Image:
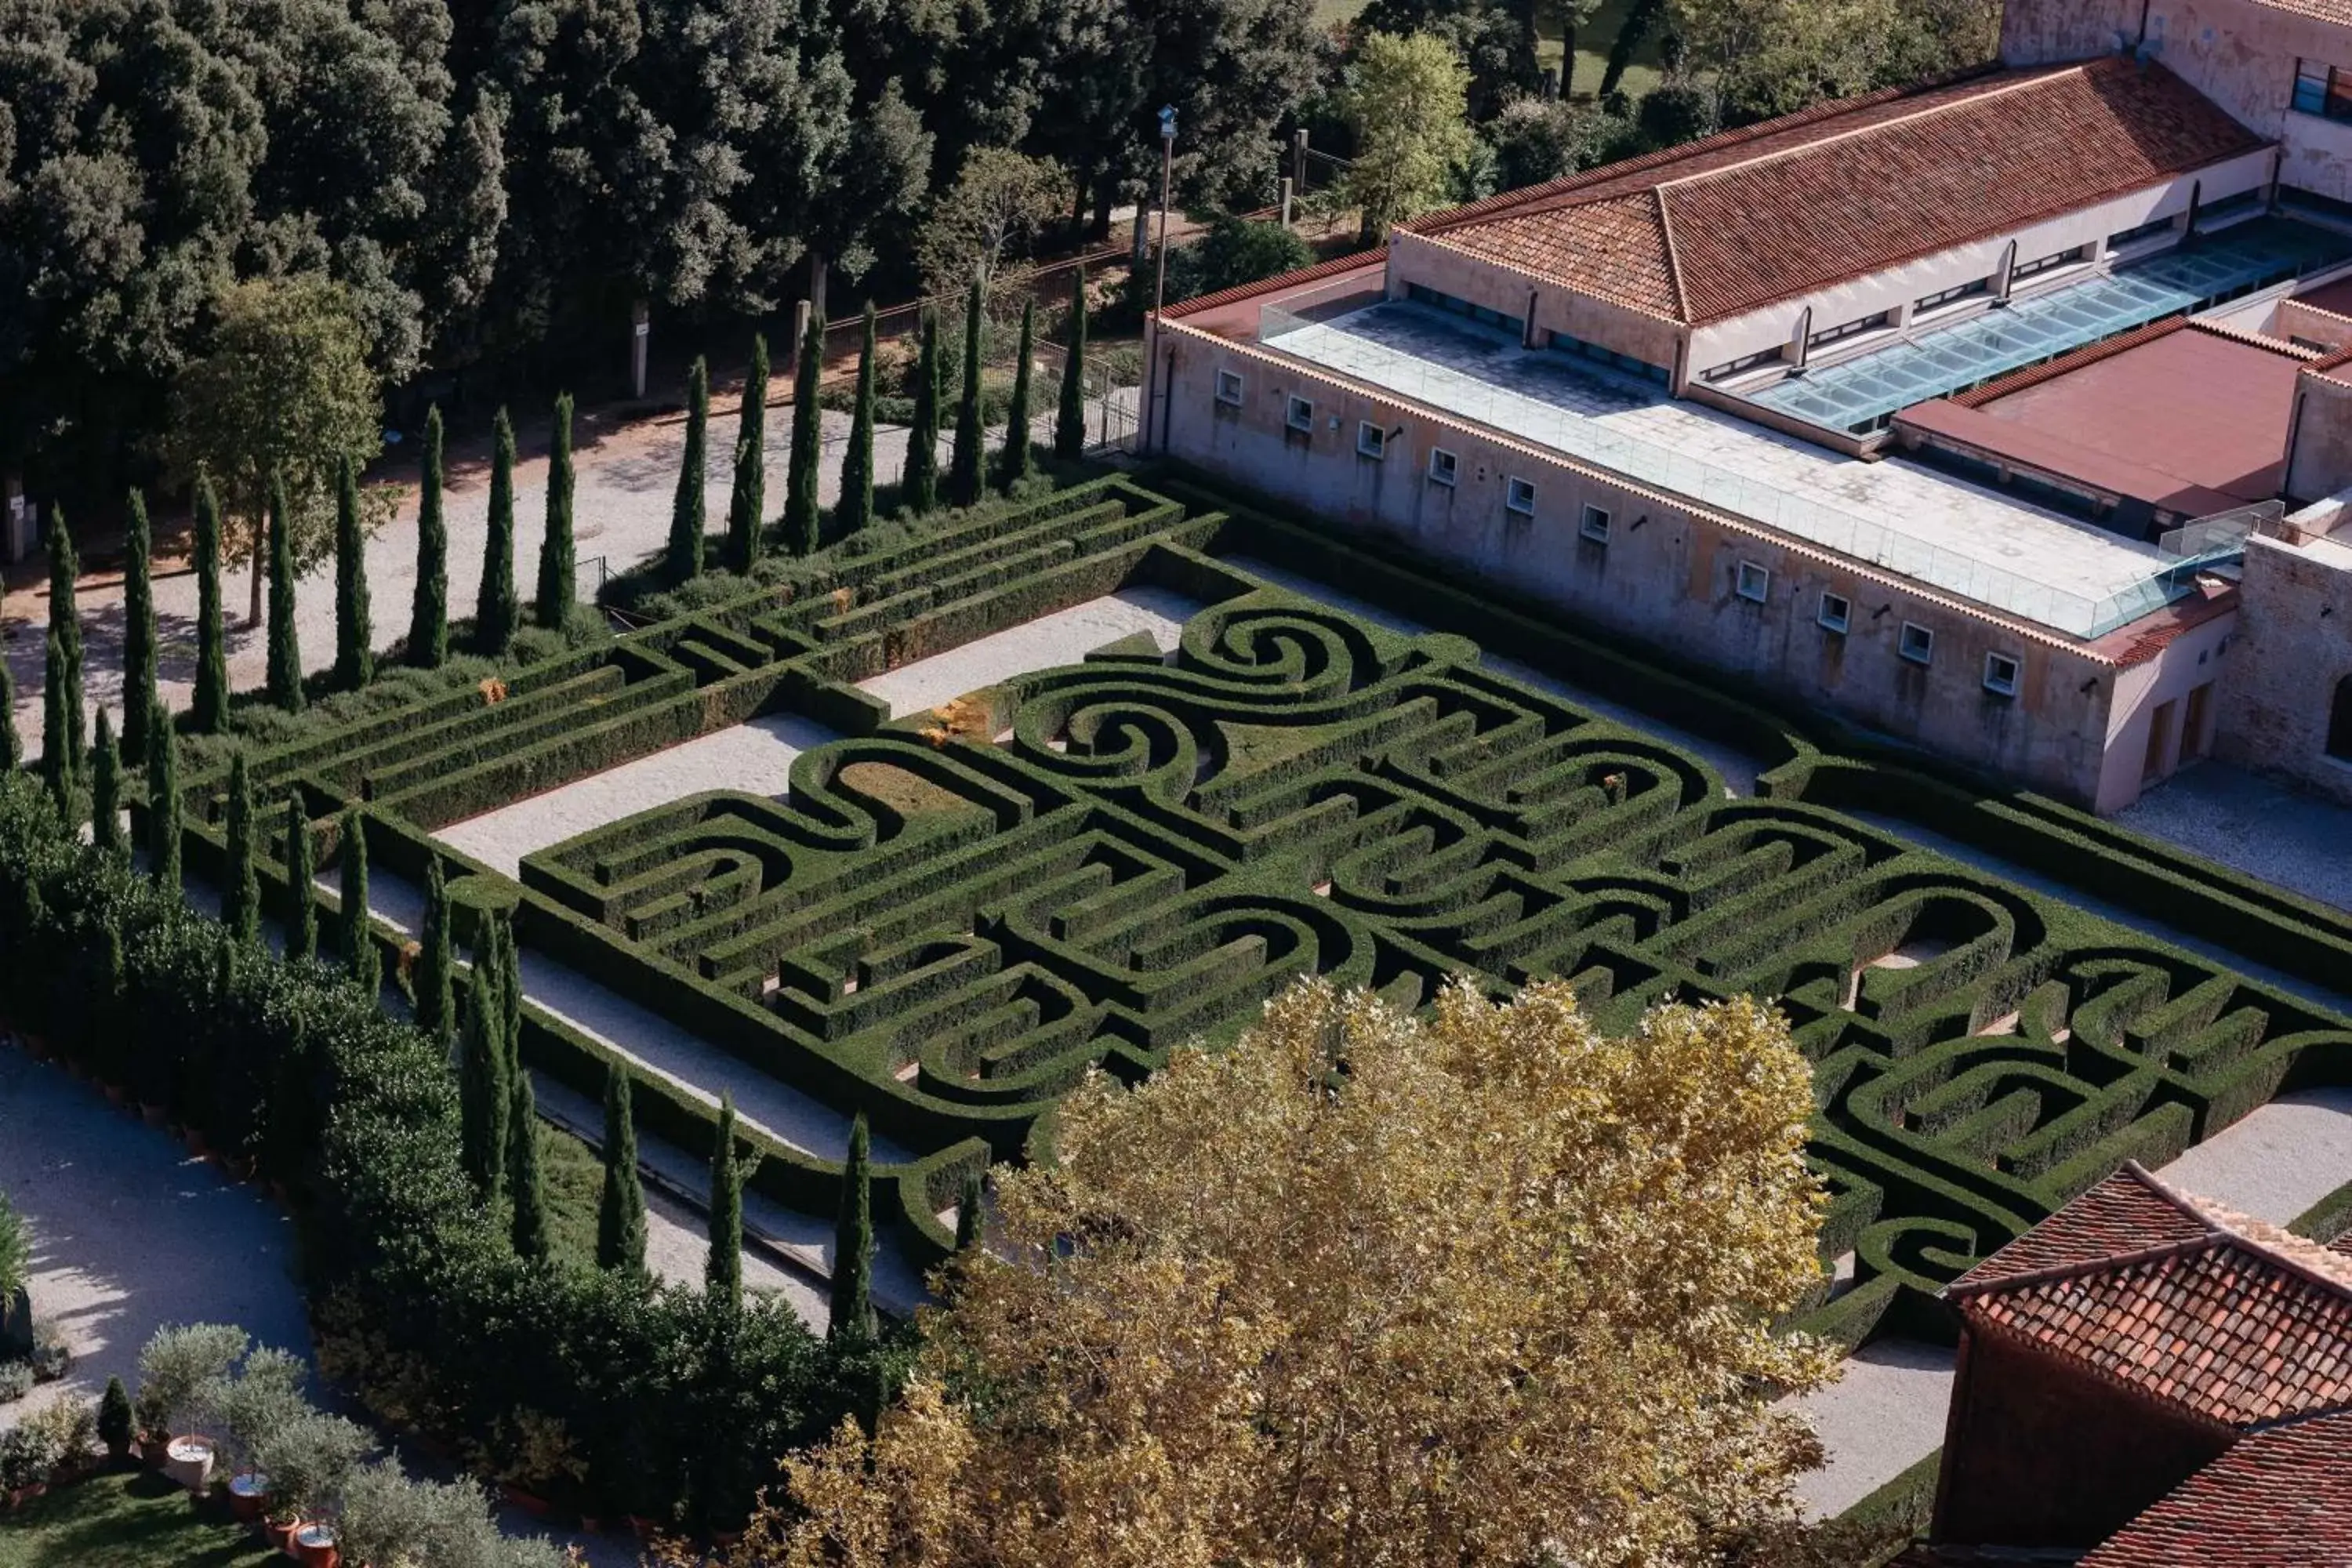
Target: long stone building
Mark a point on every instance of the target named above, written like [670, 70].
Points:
[1983, 412]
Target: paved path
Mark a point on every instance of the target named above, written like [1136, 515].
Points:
[1065, 637]
[2252, 825]
[131, 1233]
[1887, 1412]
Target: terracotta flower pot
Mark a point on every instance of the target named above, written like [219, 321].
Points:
[249, 1492]
[314, 1546]
[152, 1451]
[189, 1461]
[115, 1095]
[529, 1502]
[590, 1524]
[153, 1115]
[196, 1145]
[642, 1527]
[279, 1534]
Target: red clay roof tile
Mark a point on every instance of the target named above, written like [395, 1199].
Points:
[2277, 1497]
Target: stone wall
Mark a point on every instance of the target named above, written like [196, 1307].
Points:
[2292, 653]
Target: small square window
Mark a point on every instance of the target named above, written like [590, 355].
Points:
[1755, 583]
[1300, 415]
[1919, 644]
[1371, 441]
[1837, 613]
[1594, 525]
[1229, 387]
[1520, 496]
[2001, 674]
[1442, 466]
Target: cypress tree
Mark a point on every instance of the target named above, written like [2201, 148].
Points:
[302, 871]
[138, 697]
[164, 803]
[855, 508]
[354, 636]
[508, 979]
[436, 1010]
[241, 895]
[57, 748]
[361, 964]
[685, 521]
[1012, 465]
[1070, 414]
[483, 1093]
[749, 499]
[523, 1175]
[853, 1244]
[918, 482]
[963, 463]
[801, 525]
[621, 1212]
[11, 745]
[494, 606]
[208, 712]
[722, 1276]
[972, 1218]
[105, 788]
[63, 738]
[428, 613]
[558, 560]
[285, 648]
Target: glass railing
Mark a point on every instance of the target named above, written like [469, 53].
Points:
[1524, 417]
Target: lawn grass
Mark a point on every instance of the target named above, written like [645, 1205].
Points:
[1592, 42]
[137, 1520]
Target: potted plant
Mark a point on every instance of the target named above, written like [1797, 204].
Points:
[250, 1409]
[310, 1459]
[539, 1458]
[116, 1424]
[16, 1339]
[70, 1428]
[178, 1368]
[27, 1458]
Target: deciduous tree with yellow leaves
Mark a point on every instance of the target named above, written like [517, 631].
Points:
[1488, 1289]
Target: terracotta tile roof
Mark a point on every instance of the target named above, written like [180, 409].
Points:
[1735, 222]
[2220, 1314]
[2277, 1497]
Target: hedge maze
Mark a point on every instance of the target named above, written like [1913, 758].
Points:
[952, 917]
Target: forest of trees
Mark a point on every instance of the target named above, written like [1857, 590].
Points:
[493, 186]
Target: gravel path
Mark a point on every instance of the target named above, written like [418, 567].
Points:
[2252, 825]
[1738, 768]
[130, 1233]
[1065, 637]
[2277, 1160]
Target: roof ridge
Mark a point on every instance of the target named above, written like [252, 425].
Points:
[1674, 259]
[2112, 1263]
[2036, 78]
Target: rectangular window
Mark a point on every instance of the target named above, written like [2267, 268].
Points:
[1564, 343]
[2001, 674]
[1952, 296]
[1371, 441]
[1442, 466]
[1762, 357]
[1520, 496]
[2024, 270]
[2147, 230]
[2323, 89]
[1229, 387]
[1837, 613]
[1300, 415]
[1594, 525]
[1851, 330]
[1753, 583]
[1454, 305]
[1919, 644]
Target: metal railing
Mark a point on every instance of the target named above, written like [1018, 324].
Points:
[1933, 561]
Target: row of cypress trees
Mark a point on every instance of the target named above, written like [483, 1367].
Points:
[801, 526]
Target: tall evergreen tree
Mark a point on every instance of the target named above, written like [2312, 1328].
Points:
[686, 519]
[853, 1244]
[208, 711]
[965, 461]
[139, 696]
[65, 737]
[354, 634]
[285, 646]
[484, 1095]
[105, 788]
[494, 606]
[722, 1275]
[621, 1212]
[524, 1178]
[361, 964]
[1012, 465]
[57, 748]
[855, 510]
[971, 1213]
[302, 873]
[749, 500]
[918, 482]
[11, 745]
[509, 985]
[164, 802]
[558, 558]
[241, 894]
[1070, 413]
[436, 1010]
[428, 613]
[802, 534]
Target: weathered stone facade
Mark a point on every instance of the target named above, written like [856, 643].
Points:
[2291, 660]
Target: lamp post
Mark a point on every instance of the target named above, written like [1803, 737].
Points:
[1160, 284]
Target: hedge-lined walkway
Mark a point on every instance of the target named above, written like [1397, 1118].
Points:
[2252, 825]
